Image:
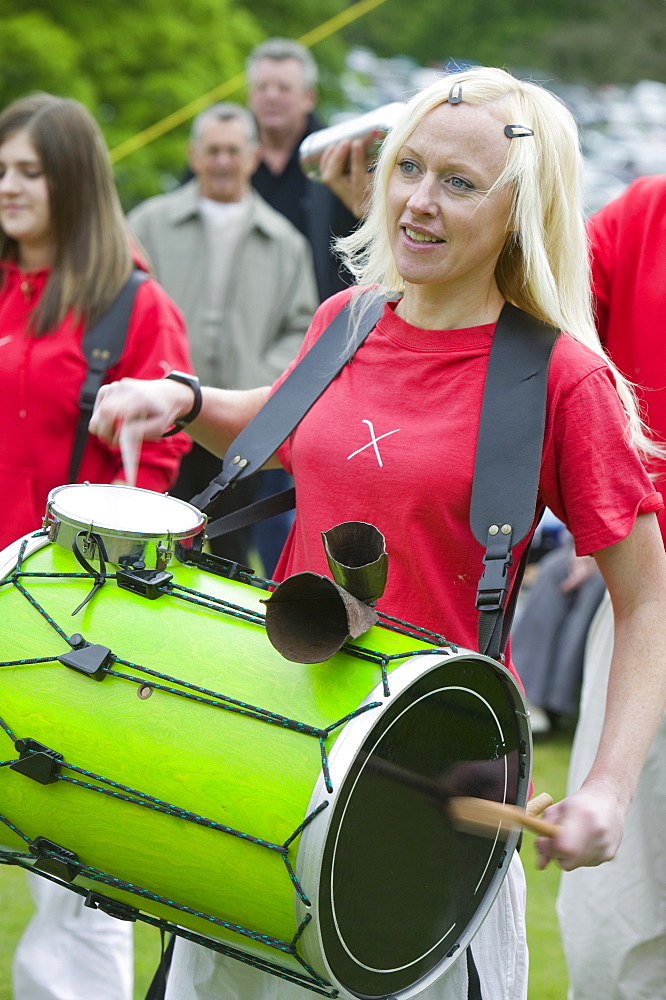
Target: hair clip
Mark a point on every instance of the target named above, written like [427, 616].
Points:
[455, 94]
[517, 131]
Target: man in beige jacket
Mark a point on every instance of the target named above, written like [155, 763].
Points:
[241, 273]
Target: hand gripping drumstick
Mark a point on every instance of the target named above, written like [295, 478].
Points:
[485, 816]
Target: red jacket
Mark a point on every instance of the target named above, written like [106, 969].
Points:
[40, 378]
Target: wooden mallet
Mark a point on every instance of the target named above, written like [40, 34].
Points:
[485, 817]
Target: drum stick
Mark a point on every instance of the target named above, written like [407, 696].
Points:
[475, 815]
[129, 442]
[537, 805]
[485, 817]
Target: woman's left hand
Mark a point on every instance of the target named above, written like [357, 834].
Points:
[590, 824]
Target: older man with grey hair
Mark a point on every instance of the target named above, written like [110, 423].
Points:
[241, 273]
[282, 80]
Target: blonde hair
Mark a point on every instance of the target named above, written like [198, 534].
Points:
[543, 267]
[92, 259]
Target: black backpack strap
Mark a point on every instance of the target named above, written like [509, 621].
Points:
[102, 347]
[291, 401]
[508, 459]
[277, 503]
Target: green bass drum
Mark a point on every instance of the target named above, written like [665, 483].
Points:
[159, 757]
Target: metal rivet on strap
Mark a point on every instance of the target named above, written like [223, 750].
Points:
[235, 460]
[242, 463]
[493, 529]
[506, 529]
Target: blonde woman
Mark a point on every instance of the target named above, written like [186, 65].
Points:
[475, 203]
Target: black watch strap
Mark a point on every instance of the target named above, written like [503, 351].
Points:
[193, 383]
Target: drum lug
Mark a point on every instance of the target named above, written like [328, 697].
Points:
[87, 658]
[47, 520]
[89, 543]
[164, 554]
[112, 907]
[150, 583]
[37, 761]
[54, 859]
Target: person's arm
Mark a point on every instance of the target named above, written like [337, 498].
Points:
[592, 819]
[155, 405]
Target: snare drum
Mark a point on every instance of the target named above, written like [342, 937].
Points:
[158, 754]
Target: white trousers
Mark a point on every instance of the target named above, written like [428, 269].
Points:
[70, 952]
[499, 949]
[613, 918]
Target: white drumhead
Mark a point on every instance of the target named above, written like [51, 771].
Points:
[126, 510]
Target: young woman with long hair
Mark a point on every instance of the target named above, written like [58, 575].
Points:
[65, 254]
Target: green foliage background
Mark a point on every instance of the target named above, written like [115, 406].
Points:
[133, 62]
[587, 41]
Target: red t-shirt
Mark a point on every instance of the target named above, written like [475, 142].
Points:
[392, 442]
[628, 246]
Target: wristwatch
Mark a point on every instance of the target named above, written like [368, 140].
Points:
[193, 383]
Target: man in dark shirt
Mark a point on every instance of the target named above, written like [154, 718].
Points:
[282, 77]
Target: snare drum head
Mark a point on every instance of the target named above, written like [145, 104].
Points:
[126, 510]
[401, 892]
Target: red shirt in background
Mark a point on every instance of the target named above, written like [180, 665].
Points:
[628, 247]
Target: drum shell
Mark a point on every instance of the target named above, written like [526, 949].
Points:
[257, 778]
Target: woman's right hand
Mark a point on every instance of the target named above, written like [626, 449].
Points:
[153, 406]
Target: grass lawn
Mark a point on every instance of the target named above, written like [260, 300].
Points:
[548, 976]
[548, 979]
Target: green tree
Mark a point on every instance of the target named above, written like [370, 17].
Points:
[134, 62]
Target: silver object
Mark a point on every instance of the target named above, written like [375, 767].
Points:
[136, 526]
[373, 126]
